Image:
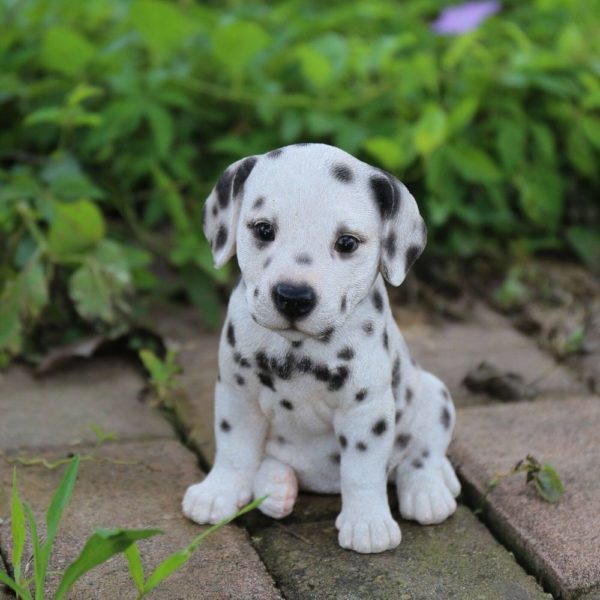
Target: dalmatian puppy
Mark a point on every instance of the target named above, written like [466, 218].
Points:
[316, 388]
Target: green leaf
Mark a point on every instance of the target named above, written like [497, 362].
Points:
[17, 529]
[431, 129]
[102, 545]
[548, 484]
[76, 227]
[65, 50]
[386, 151]
[46, 114]
[591, 128]
[13, 585]
[463, 113]
[168, 566]
[585, 241]
[315, 66]
[510, 143]
[237, 44]
[38, 571]
[135, 566]
[473, 164]
[161, 125]
[541, 197]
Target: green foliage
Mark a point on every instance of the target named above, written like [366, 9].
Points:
[118, 117]
[163, 373]
[545, 478]
[99, 547]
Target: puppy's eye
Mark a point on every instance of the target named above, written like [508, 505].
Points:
[264, 231]
[346, 244]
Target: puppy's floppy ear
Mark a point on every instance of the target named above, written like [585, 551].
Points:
[222, 209]
[403, 233]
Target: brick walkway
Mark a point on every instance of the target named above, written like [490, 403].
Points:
[148, 469]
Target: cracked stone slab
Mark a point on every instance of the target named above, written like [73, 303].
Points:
[138, 485]
[58, 409]
[458, 559]
[560, 542]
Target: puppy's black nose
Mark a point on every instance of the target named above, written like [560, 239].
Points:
[293, 301]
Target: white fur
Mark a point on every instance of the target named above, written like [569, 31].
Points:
[264, 447]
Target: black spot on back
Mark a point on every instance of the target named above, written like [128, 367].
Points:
[230, 334]
[343, 441]
[297, 343]
[346, 353]
[361, 394]
[266, 380]
[221, 237]
[286, 404]
[361, 446]
[337, 379]
[256, 292]
[342, 173]
[336, 458]
[225, 426]
[402, 440]
[377, 300]
[239, 379]
[242, 173]
[380, 427]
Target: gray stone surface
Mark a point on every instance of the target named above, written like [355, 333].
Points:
[559, 542]
[58, 409]
[140, 484]
[458, 559]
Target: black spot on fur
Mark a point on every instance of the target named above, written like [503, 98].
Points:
[417, 463]
[321, 372]
[286, 404]
[256, 292]
[338, 379]
[244, 362]
[242, 173]
[266, 380]
[240, 380]
[377, 301]
[237, 357]
[343, 305]
[303, 259]
[385, 194]
[267, 262]
[396, 373]
[408, 395]
[221, 237]
[230, 334]
[297, 344]
[275, 153]
[215, 210]
[425, 453]
[368, 327]
[361, 394]
[223, 188]
[336, 458]
[342, 173]
[445, 394]
[343, 441]
[280, 439]
[412, 254]
[262, 361]
[413, 362]
[380, 427]
[325, 337]
[403, 439]
[361, 446]
[225, 426]
[389, 245]
[304, 365]
[258, 203]
[445, 417]
[346, 353]
[385, 339]
[398, 416]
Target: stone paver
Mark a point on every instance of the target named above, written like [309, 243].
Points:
[559, 542]
[50, 418]
[58, 409]
[458, 559]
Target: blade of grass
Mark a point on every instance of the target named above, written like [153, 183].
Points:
[100, 546]
[37, 560]
[176, 560]
[17, 529]
[13, 585]
[136, 568]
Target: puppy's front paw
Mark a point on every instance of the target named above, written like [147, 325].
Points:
[217, 497]
[367, 533]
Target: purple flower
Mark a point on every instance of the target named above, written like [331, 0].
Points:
[464, 17]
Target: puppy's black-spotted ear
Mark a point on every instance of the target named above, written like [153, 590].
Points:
[403, 232]
[222, 209]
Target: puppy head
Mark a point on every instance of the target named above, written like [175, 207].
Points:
[312, 226]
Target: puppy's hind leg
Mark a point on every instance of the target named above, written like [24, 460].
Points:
[278, 482]
[425, 480]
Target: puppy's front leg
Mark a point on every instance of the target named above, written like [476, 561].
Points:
[365, 433]
[240, 430]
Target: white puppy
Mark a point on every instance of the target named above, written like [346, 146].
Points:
[317, 389]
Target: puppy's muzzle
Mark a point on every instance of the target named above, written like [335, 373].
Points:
[293, 301]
